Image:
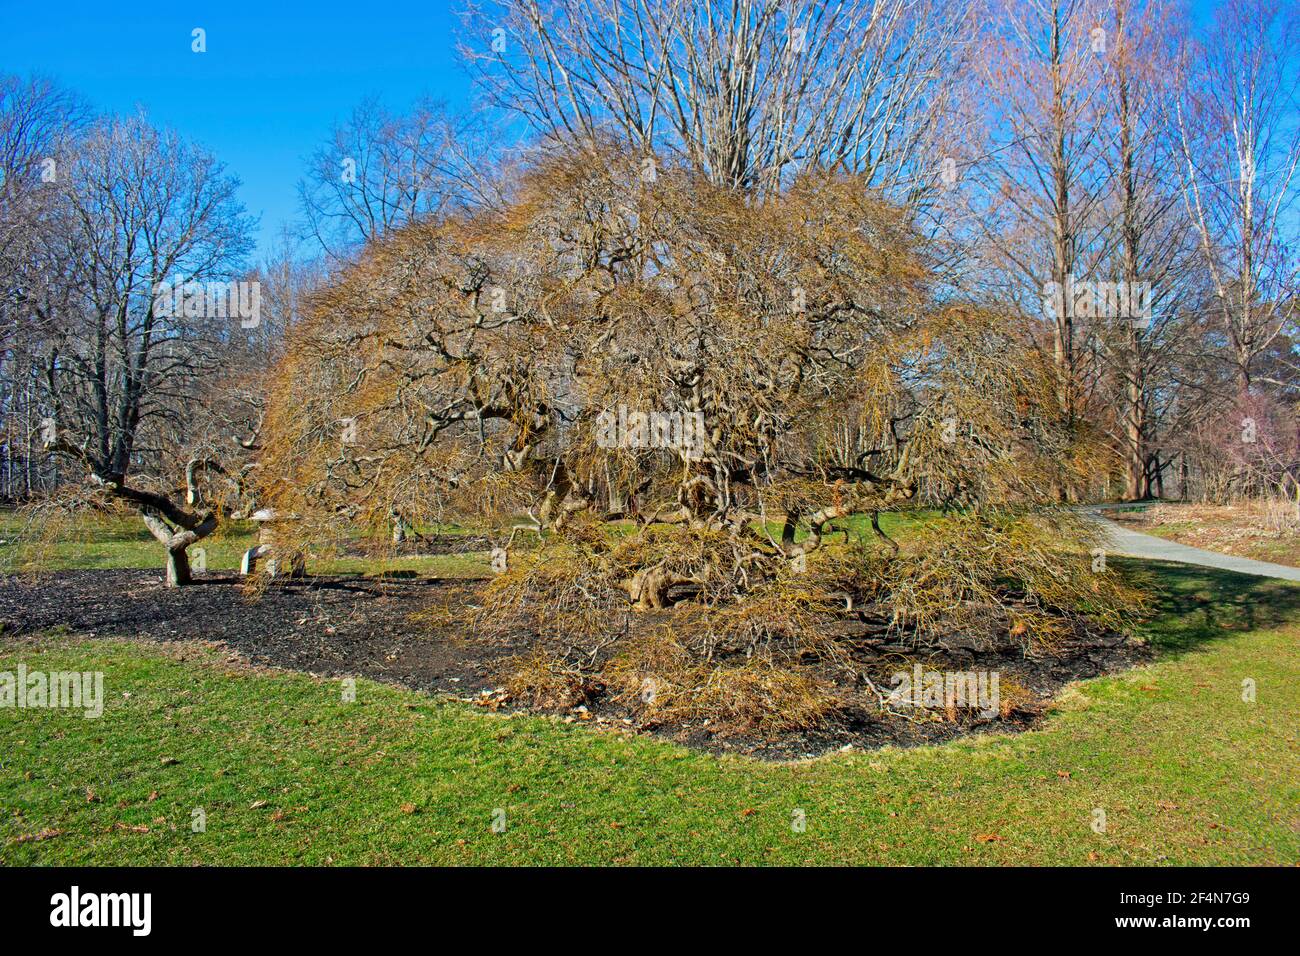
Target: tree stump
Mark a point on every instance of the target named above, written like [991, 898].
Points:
[265, 548]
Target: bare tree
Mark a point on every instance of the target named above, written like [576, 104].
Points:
[749, 92]
[381, 170]
[287, 275]
[1240, 136]
[1035, 182]
[144, 210]
[1149, 243]
[38, 122]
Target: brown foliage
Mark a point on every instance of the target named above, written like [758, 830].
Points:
[484, 369]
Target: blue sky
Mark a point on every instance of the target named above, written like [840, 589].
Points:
[274, 79]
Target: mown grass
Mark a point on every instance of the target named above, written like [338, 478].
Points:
[111, 542]
[286, 771]
[123, 542]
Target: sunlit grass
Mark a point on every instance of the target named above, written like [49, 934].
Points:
[98, 543]
[1185, 770]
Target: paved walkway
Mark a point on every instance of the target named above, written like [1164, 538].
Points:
[1135, 544]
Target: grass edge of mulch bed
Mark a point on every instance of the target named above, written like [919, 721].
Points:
[1183, 769]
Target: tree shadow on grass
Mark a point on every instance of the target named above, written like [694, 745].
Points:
[1193, 605]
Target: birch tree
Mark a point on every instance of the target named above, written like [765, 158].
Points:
[1240, 134]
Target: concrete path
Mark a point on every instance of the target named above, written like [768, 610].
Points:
[1135, 544]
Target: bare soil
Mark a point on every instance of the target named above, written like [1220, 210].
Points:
[350, 626]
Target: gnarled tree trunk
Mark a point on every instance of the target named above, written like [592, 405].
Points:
[177, 541]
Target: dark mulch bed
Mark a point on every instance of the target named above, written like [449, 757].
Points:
[335, 626]
[323, 624]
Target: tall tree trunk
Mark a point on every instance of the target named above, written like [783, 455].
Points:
[1137, 483]
[1062, 228]
[1136, 486]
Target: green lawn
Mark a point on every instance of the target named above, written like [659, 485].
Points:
[287, 772]
[124, 542]
[112, 542]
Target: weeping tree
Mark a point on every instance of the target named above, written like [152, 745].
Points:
[646, 377]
